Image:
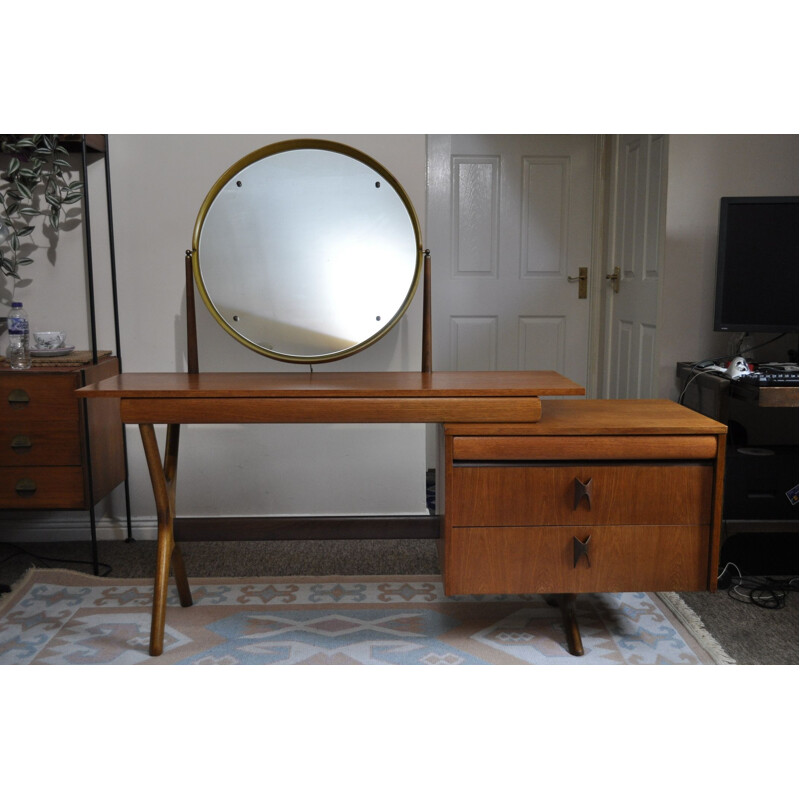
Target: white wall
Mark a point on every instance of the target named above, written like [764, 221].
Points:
[702, 169]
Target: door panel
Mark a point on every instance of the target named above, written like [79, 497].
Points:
[636, 233]
[510, 219]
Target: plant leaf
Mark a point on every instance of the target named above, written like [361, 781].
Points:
[23, 190]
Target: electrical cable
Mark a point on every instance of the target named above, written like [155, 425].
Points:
[48, 561]
[768, 593]
[709, 361]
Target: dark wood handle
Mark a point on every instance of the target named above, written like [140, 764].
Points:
[26, 487]
[21, 444]
[580, 550]
[18, 397]
[583, 490]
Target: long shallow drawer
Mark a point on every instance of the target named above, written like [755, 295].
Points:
[596, 448]
[41, 487]
[548, 560]
[46, 444]
[43, 398]
[581, 494]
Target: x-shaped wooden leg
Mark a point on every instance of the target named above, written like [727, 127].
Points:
[163, 479]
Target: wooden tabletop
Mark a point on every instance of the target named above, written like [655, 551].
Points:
[602, 417]
[333, 384]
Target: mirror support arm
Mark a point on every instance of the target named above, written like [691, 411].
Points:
[427, 365]
[191, 321]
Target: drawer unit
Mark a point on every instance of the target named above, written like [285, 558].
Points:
[582, 494]
[599, 496]
[44, 454]
[551, 560]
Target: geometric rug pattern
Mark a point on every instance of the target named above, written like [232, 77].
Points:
[65, 617]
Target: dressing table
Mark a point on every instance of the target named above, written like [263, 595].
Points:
[296, 232]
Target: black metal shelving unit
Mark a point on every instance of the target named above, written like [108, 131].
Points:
[87, 145]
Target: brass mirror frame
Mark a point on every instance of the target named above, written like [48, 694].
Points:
[266, 152]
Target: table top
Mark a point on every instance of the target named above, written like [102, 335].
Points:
[136, 385]
[601, 417]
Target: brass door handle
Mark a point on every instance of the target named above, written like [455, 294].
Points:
[21, 444]
[18, 397]
[614, 277]
[583, 490]
[26, 487]
[582, 280]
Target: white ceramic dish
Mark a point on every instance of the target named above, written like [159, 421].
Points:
[61, 351]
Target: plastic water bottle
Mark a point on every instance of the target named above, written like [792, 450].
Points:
[18, 352]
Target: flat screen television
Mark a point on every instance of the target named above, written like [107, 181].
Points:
[757, 265]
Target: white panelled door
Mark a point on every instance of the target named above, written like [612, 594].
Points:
[510, 219]
[636, 231]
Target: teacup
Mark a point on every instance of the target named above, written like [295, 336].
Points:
[49, 340]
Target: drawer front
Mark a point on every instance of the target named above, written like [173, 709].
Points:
[38, 398]
[541, 560]
[578, 448]
[41, 487]
[581, 494]
[45, 444]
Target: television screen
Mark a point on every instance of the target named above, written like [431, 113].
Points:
[757, 265]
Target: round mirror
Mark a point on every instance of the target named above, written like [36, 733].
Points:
[307, 251]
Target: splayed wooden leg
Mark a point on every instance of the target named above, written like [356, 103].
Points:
[570, 620]
[163, 480]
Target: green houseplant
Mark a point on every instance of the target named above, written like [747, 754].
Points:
[33, 183]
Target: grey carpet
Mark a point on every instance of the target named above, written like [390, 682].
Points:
[749, 634]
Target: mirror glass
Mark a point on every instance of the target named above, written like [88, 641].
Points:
[307, 251]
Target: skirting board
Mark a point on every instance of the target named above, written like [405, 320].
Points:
[198, 529]
[75, 526]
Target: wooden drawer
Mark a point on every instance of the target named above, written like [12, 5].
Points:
[38, 398]
[41, 487]
[582, 448]
[541, 560]
[45, 444]
[616, 494]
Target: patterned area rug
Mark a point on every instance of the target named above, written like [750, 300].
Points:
[65, 617]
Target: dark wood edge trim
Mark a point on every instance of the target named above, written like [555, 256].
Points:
[210, 529]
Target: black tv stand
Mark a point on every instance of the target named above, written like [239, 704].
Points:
[760, 523]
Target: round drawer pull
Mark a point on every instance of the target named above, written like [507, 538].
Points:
[26, 487]
[18, 398]
[21, 444]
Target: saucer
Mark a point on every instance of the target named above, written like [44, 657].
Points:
[58, 351]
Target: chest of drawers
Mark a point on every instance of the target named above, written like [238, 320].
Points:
[599, 496]
[55, 451]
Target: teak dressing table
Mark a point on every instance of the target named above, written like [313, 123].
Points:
[555, 496]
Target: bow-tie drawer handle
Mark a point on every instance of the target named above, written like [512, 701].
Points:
[580, 550]
[583, 490]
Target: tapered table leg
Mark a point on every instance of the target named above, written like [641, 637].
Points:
[163, 479]
[566, 602]
[570, 620]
